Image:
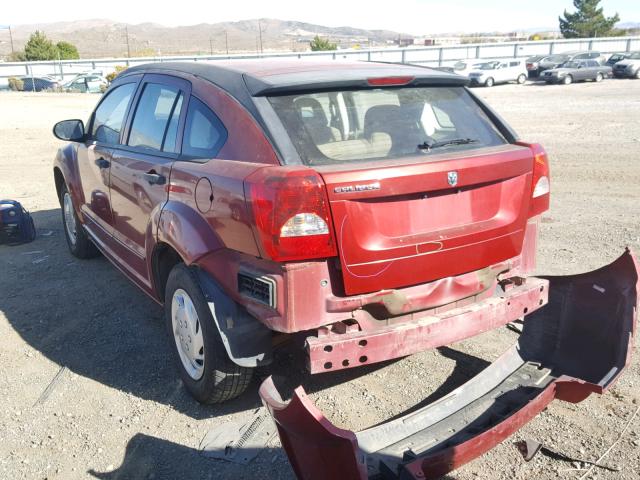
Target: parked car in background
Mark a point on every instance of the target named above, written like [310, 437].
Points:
[577, 71]
[39, 83]
[87, 83]
[465, 67]
[497, 71]
[616, 57]
[554, 61]
[533, 65]
[629, 67]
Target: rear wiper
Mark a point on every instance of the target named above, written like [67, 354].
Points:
[430, 145]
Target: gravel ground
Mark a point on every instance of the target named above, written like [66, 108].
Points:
[88, 389]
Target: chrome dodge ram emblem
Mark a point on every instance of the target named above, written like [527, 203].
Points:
[452, 177]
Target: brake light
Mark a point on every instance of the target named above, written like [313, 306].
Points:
[389, 81]
[291, 213]
[540, 186]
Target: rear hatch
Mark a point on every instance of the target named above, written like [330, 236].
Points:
[423, 181]
[403, 225]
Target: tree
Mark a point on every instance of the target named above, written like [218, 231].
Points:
[67, 51]
[587, 21]
[39, 47]
[320, 44]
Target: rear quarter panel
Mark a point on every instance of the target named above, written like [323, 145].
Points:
[206, 210]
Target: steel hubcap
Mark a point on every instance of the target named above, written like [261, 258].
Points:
[187, 333]
[69, 218]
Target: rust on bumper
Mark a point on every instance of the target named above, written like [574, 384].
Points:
[594, 312]
[351, 347]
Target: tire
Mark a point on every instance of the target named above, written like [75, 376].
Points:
[208, 373]
[568, 80]
[78, 241]
[489, 82]
[599, 77]
[637, 75]
[521, 79]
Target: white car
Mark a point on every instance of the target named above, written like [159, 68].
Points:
[499, 71]
[465, 67]
[87, 83]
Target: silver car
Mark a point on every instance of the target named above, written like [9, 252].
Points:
[577, 71]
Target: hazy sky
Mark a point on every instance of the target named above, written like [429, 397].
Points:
[411, 16]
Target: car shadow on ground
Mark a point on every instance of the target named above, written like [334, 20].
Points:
[149, 457]
[85, 315]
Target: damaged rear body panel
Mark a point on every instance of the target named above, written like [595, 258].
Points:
[595, 312]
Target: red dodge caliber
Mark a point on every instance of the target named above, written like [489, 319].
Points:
[381, 209]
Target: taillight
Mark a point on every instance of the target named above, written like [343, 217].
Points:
[291, 213]
[389, 81]
[540, 187]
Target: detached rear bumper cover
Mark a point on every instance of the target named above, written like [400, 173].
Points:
[578, 344]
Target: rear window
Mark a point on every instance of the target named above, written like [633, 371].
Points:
[379, 124]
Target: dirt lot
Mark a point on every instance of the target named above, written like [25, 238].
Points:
[87, 387]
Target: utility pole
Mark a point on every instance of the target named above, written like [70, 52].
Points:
[11, 38]
[126, 31]
[226, 41]
[211, 45]
[260, 34]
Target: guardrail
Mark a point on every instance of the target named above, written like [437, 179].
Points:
[430, 56]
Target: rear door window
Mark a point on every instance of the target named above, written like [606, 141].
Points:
[204, 133]
[153, 116]
[109, 116]
[369, 124]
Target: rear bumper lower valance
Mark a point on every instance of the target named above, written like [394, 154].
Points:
[595, 312]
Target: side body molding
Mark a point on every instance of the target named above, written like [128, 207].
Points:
[594, 312]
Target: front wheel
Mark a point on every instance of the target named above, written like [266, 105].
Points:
[568, 80]
[522, 78]
[638, 74]
[80, 245]
[206, 370]
[489, 82]
[599, 77]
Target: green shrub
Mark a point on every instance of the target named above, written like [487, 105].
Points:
[16, 84]
[112, 76]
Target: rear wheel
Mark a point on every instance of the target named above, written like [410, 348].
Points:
[80, 245]
[568, 80]
[522, 78]
[599, 77]
[638, 74]
[489, 82]
[206, 370]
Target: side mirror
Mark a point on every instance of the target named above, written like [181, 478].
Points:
[71, 130]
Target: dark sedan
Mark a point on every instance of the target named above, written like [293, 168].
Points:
[37, 84]
[577, 71]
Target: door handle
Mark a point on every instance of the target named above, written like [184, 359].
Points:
[102, 163]
[154, 178]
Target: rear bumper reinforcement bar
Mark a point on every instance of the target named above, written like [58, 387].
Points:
[577, 344]
[331, 351]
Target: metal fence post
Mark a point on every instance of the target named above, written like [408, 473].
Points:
[477, 51]
[551, 45]
[403, 55]
[369, 55]
[515, 50]
[628, 45]
[440, 56]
